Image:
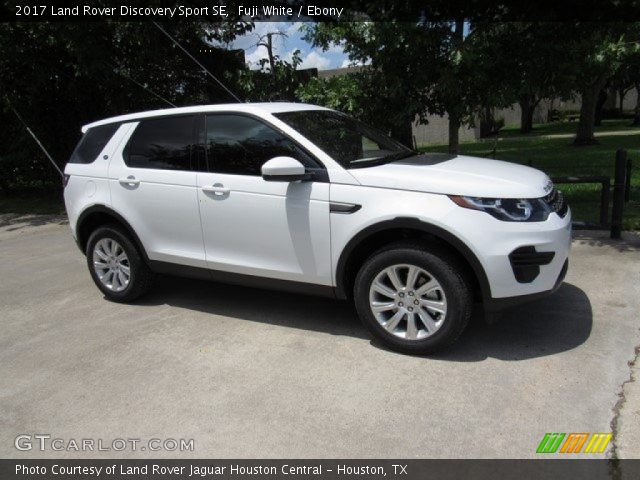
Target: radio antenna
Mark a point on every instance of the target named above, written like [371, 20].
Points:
[197, 62]
[35, 138]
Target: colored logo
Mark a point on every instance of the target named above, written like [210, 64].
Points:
[574, 443]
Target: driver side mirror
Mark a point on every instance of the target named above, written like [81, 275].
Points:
[284, 169]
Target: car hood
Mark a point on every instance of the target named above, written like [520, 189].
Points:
[457, 175]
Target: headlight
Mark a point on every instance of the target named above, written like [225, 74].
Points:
[507, 209]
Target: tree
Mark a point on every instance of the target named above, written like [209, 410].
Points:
[360, 94]
[450, 91]
[465, 84]
[398, 66]
[596, 51]
[420, 68]
[636, 110]
[621, 84]
[276, 79]
[528, 61]
[65, 83]
[266, 41]
[627, 77]
[634, 71]
[346, 93]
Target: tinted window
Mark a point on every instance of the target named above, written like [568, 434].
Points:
[239, 145]
[163, 143]
[92, 143]
[348, 141]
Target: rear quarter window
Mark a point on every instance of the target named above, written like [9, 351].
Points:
[165, 143]
[92, 143]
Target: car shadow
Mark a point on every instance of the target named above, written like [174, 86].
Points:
[551, 325]
[285, 309]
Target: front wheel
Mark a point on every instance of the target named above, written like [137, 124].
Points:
[414, 300]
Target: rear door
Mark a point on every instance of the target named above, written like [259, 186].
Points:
[274, 229]
[153, 186]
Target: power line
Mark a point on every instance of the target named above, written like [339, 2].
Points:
[158, 96]
[197, 62]
[33, 135]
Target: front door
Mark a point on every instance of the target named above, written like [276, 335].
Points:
[255, 227]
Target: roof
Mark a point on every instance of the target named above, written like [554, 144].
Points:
[256, 108]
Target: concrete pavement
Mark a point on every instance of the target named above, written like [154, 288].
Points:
[252, 373]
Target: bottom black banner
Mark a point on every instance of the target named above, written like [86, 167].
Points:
[320, 469]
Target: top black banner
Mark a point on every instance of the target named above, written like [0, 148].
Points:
[321, 10]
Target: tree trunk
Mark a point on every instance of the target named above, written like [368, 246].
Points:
[270, 53]
[454, 118]
[602, 99]
[527, 107]
[636, 113]
[454, 134]
[4, 183]
[621, 95]
[584, 135]
[403, 132]
[487, 122]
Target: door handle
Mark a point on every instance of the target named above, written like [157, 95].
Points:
[130, 180]
[216, 190]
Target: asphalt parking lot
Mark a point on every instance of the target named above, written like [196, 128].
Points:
[253, 373]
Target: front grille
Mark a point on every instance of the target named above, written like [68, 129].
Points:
[556, 201]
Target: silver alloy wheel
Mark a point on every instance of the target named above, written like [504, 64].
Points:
[408, 301]
[111, 264]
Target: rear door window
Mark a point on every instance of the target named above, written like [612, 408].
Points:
[92, 143]
[168, 143]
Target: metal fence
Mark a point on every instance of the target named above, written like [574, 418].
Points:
[621, 194]
[605, 195]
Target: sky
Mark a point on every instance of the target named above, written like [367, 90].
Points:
[284, 46]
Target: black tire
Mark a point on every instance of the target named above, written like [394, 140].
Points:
[444, 267]
[141, 277]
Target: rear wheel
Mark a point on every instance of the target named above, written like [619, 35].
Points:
[116, 266]
[414, 300]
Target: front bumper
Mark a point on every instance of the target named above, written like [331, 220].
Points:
[521, 261]
[512, 273]
[492, 305]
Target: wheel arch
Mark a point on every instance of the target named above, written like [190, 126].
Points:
[377, 235]
[98, 215]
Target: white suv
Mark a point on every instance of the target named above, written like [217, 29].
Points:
[300, 197]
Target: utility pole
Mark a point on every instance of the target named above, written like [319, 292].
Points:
[266, 41]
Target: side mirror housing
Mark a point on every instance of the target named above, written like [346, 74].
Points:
[284, 169]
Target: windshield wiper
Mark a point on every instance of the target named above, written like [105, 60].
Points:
[394, 157]
[375, 161]
[401, 155]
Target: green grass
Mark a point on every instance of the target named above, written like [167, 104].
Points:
[558, 157]
[45, 205]
[566, 127]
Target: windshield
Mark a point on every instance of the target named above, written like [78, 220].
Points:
[348, 141]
